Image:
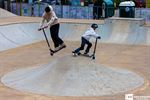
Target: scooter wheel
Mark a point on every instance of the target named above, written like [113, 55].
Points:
[74, 54]
[93, 57]
[51, 54]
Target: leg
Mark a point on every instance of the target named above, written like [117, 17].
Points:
[54, 30]
[82, 45]
[88, 47]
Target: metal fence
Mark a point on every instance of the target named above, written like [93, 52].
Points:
[76, 12]
[63, 11]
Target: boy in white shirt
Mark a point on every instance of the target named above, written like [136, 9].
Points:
[52, 21]
[90, 32]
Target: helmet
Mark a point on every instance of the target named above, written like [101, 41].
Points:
[48, 8]
[94, 26]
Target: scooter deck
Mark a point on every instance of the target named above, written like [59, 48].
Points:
[84, 55]
[52, 52]
[80, 54]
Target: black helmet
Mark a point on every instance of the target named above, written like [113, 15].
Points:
[94, 26]
[47, 9]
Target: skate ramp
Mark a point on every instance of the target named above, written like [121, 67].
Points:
[79, 77]
[5, 14]
[125, 31]
[114, 30]
[15, 35]
[118, 31]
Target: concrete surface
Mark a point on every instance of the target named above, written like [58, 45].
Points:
[72, 76]
[133, 56]
[131, 32]
[5, 14]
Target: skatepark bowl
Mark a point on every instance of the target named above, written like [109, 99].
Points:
[117, 69]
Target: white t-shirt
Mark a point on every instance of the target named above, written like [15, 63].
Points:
[90, 33]
[51, 18]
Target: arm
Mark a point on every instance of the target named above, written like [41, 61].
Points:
[94, 34]
[41, 23]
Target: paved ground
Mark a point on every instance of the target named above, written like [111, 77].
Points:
[129, 55]
[133, 58]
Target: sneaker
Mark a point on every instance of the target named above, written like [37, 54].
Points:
[73, 52]
[85, 53]
[79, 53]
[62, 45]
[76, 53]
[57, 48]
